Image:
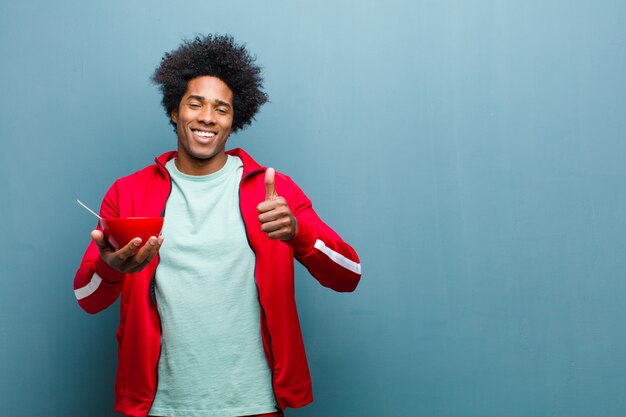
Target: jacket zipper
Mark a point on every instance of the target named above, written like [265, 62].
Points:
[152, 289]
[258, 293]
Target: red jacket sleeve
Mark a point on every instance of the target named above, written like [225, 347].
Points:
[321, 250]
[96, 285]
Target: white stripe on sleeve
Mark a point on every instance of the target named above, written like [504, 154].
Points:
[338, 258]
[90, 288]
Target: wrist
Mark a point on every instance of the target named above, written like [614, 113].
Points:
[106, 272]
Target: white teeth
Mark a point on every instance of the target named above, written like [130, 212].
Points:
[204, 134]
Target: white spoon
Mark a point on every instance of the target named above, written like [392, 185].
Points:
[90, 210]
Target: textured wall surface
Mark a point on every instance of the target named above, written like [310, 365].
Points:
[472, 152]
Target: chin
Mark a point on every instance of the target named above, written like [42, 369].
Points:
[205, 155]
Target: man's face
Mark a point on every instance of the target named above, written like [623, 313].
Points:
[203, 121]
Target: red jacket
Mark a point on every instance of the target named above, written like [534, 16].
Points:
[327, 257]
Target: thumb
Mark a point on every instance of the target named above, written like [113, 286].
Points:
[270, 186]
[98, 238]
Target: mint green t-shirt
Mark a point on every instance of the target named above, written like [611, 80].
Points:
[212, 362]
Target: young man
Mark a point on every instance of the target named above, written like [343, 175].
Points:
[208, 320]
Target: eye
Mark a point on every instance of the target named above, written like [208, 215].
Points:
[194, 105]
[221, 110]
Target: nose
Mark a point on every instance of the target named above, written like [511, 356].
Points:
[207, 116]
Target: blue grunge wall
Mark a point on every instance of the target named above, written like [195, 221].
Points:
[472, 152]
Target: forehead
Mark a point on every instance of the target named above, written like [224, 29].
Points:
[211, 88]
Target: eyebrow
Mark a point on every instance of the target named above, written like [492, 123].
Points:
[216, 101]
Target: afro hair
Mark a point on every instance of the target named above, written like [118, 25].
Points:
[217, 56]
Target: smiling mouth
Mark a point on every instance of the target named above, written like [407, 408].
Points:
[204, 133]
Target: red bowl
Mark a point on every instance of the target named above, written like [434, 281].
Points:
[121, 230]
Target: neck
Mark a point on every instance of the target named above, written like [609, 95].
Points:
[196, 166]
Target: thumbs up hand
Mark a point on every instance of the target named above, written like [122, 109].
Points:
[275, 216]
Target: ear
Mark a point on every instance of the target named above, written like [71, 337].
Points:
[174, 116]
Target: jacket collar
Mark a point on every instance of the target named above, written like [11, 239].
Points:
[249, 164]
